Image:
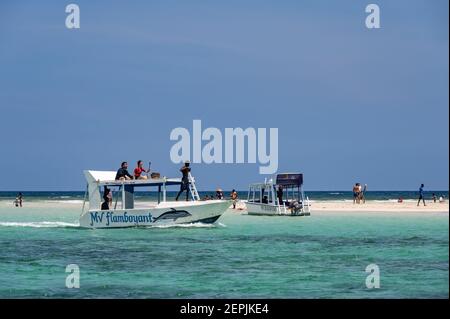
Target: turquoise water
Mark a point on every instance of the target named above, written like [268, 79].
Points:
[321, 256]
[315, 195]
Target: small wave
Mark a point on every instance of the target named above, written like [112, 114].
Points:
[190, 225]
[65, 201]
[335, 193]
[38, 224]
[392, 200]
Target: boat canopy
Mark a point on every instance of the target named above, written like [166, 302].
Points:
[285, 180]
[107, 178]
[267, 193]
[97, 179]
[290, 179]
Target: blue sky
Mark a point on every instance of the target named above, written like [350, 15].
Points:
[351, 104]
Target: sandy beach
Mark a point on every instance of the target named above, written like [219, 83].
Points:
[379, 206]
[319, 207]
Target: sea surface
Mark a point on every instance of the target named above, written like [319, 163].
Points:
[321, 256]
[313, 195]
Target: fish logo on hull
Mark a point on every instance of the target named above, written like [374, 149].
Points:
[173, 214]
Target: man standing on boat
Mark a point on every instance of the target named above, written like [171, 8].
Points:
[185, 170]
[280, 195]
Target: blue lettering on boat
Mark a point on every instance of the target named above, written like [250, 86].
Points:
[96, 217]
[125, 217]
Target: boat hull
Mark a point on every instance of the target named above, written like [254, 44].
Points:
[271, 210]
[163, 214]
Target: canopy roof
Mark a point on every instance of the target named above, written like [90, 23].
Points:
[285, 179]
[108, 178]
[290, 179]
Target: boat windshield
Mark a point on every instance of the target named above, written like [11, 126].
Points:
[262, 193]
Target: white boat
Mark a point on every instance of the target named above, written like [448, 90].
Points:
[262, 198]
[126, 212]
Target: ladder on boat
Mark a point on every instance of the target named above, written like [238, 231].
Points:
[192, 188]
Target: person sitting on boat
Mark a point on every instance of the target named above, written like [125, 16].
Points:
[105, 204]
[107, 195]
[184, 180]
[139, 170]
[234, 197]
[280, 194]
[219, 193]
[122, 172]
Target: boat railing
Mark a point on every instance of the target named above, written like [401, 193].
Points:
[85, 199]
[193, 188]
[307, 205]
[281, 208]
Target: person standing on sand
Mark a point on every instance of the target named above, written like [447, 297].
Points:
[363, 194]
[356, 193]
[20, 197]
[421, 197]
[234, 196]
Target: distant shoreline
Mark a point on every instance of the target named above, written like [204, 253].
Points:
[317, 206]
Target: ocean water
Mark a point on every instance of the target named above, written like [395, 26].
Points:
[314, 195]
[321, 256]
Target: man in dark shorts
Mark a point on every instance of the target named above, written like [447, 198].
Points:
[421, 196]
[280, 194]
[184, 180]
[122, 172]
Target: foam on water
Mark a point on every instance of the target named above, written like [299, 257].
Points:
[49, 224]
[44, 224]
[64, 201]
[190, 225]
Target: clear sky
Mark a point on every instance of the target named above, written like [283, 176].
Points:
[351, 104]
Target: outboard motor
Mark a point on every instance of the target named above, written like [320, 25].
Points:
[295, 207]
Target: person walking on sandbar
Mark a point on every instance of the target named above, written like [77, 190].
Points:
[421, 196]
[184, 180]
